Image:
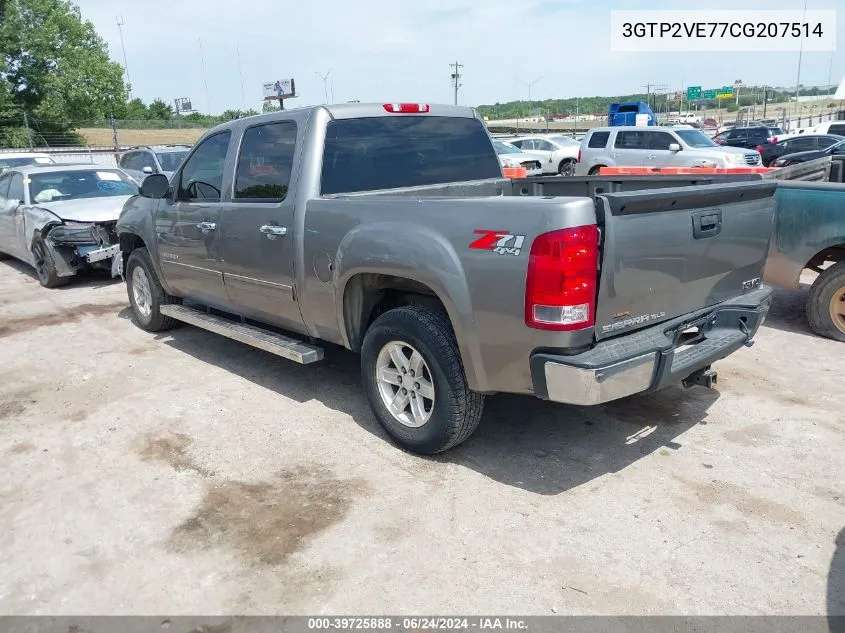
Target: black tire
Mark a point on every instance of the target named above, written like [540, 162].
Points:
[595, 170]
[826, 303]
[567, 167]
[45, 265]
[155, 321]
[456, 410]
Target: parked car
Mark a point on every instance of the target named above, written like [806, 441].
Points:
[388, 229]
[510, 156]
[810, 235]
[837, 149]
[656, 147]
[799, 143]
[139, 162]
[687, 117]
[830, 127]
[21, 159]
[754, 137]
[60, 219]
[720, 138]
[559, 153]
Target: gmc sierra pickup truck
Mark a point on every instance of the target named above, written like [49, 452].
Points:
[389, 230]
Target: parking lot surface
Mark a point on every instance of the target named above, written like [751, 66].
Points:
[185, 473]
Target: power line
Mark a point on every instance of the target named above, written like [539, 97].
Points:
[456, 78]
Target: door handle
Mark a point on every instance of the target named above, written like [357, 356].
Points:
[272, 231]
[207, 226]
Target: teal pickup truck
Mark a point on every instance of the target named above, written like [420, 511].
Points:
[810, 235]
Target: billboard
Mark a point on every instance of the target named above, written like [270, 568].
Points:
[279, 89]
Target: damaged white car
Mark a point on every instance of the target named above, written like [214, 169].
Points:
[60, 219]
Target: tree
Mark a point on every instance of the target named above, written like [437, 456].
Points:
[56, 66]
[270, 106]
[159, 110]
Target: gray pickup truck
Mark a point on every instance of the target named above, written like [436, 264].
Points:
[389, 230]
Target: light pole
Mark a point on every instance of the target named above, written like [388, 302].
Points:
[529, 84]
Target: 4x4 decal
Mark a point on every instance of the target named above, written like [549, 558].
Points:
[499, 242]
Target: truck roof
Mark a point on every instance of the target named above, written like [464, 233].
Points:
[354, 111]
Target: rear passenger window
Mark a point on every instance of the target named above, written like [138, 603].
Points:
[265, 162]
[387, 152]
[660, 140]
[630, 140]
[598, 139]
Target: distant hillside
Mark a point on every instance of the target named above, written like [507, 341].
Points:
[748, 96]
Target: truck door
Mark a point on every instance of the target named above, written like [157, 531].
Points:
[258, 228]
[188, 225]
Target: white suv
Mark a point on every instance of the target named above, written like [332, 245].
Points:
[683, 146]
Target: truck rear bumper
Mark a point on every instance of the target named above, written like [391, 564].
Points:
[653, 358]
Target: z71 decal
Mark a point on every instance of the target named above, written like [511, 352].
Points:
[500, 242]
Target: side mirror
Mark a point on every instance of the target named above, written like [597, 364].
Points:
[674, 147]
[155, 186]
[147, 169]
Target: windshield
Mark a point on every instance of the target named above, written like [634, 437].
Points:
[170, 161]
[564, 140]
[695, 138]
[76, 184]
[774, 131]
[504, 148]
[5, 163]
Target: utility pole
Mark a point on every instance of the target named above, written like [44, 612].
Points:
[28, 131]
[456, 78]
[125, 64]
[648, 88]
[325, 78]
[798, 79]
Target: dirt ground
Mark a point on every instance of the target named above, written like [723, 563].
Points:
[186, 473]
[104, 137]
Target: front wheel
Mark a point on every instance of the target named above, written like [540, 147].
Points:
[826, 303]
[146, 295]
[415, 380]
[45, 265]
[595, 170]
[567, 167]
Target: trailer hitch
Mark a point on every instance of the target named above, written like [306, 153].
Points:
[704, 377]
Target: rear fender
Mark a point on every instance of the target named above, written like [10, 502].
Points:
[423, 256]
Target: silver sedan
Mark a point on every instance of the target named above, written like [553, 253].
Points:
[60, 218]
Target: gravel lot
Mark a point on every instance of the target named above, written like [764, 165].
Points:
[188, 474]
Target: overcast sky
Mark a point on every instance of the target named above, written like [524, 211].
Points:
[400, 50]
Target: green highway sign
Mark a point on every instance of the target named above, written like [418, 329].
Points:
[695, 92]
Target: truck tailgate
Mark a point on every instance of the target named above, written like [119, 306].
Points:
[669, 252]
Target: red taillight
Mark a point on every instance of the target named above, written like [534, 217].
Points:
[760, 148]
[560, 289]
[579, 154]
[773, 139]
[407, 108]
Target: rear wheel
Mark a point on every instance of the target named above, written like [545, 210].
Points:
[826, 303]
[566, 167]
[146, 295]
[45, 265]
[415, 381]
[595, 170]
